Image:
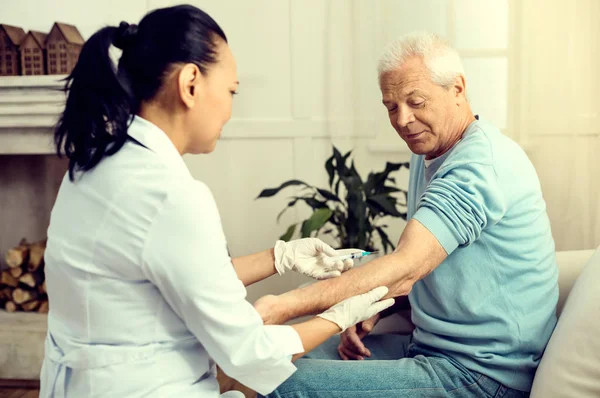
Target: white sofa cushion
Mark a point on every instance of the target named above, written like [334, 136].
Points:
[570, 263]
[570, 366]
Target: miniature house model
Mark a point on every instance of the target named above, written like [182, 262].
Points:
[63, 46]
[33, 47]
[10, 39]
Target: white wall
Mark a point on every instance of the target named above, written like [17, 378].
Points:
[307, 73]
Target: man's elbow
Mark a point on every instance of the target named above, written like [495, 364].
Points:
[402, 287]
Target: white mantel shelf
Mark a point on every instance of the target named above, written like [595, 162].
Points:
[29, 109]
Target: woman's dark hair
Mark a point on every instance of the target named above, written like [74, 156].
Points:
[101, 97]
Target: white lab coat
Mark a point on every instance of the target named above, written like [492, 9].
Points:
[143, 297]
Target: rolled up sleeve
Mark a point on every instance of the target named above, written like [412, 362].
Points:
[460, 202]
[186, 257]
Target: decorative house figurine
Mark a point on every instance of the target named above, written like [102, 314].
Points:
[33, 49]
[10, 39]
[63, 46]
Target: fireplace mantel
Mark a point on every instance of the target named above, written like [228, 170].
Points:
[29, 109]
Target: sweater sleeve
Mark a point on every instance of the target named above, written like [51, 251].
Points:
[461, 200]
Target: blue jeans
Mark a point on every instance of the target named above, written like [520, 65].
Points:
[396, 368]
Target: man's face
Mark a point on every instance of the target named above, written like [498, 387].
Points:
[422, 112]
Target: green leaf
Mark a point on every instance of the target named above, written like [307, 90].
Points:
[316, 221]
[354, 172]
[376, 182]
[282, 211]
[384, 204]
[314, 203]
[388, 189]
[328, 195]
[346, 156]
[288, 234]
[385, 240]
[330, 170]
[340, 164]
[265, 193]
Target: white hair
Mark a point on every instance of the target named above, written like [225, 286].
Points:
[442, 61]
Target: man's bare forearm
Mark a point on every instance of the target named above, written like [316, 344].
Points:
[417, 254]
[255, 267]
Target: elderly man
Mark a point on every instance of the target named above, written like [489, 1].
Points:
[476, 258]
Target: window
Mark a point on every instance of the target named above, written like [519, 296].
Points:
[27, 50]
[63, 46]
[27, 58]
[51, 46]
[8, 58]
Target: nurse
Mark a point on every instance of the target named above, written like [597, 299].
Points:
[144, 298]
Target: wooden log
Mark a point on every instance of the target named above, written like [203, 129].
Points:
[6, 294]
[30, 306]
[7, 279]
[17, 256]
[44, 307]
[21, 296]
[10, 306]
[32, 279]
[36, 255]
[16, 272]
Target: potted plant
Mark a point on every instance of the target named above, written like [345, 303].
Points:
[351, 210]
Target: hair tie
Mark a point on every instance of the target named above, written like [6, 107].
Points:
[125, 35]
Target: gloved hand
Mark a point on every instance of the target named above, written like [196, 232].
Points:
[311, 257]
[358, 308]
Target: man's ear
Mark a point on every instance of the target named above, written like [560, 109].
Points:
[188, 84]
[459, 89]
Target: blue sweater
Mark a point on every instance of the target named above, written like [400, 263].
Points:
[491, 304]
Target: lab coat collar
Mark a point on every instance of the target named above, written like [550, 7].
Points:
[152, 137]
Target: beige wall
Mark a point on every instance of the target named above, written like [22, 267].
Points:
[559, 112]
[307, 72]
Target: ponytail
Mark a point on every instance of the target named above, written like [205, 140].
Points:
[102, 97]
[98, 108]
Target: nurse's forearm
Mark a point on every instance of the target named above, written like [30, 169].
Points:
[313, 333]
[255, 267]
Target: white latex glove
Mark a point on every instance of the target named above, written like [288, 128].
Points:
[347, 263]
[311, 257]
[358, 308]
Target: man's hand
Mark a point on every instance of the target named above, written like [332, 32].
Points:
[351, 345]
[311, 257]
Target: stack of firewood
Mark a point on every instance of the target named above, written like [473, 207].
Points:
[23, 285]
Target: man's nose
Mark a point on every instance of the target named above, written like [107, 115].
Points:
[405, 116]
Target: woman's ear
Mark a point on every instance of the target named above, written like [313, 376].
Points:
[188, 82]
